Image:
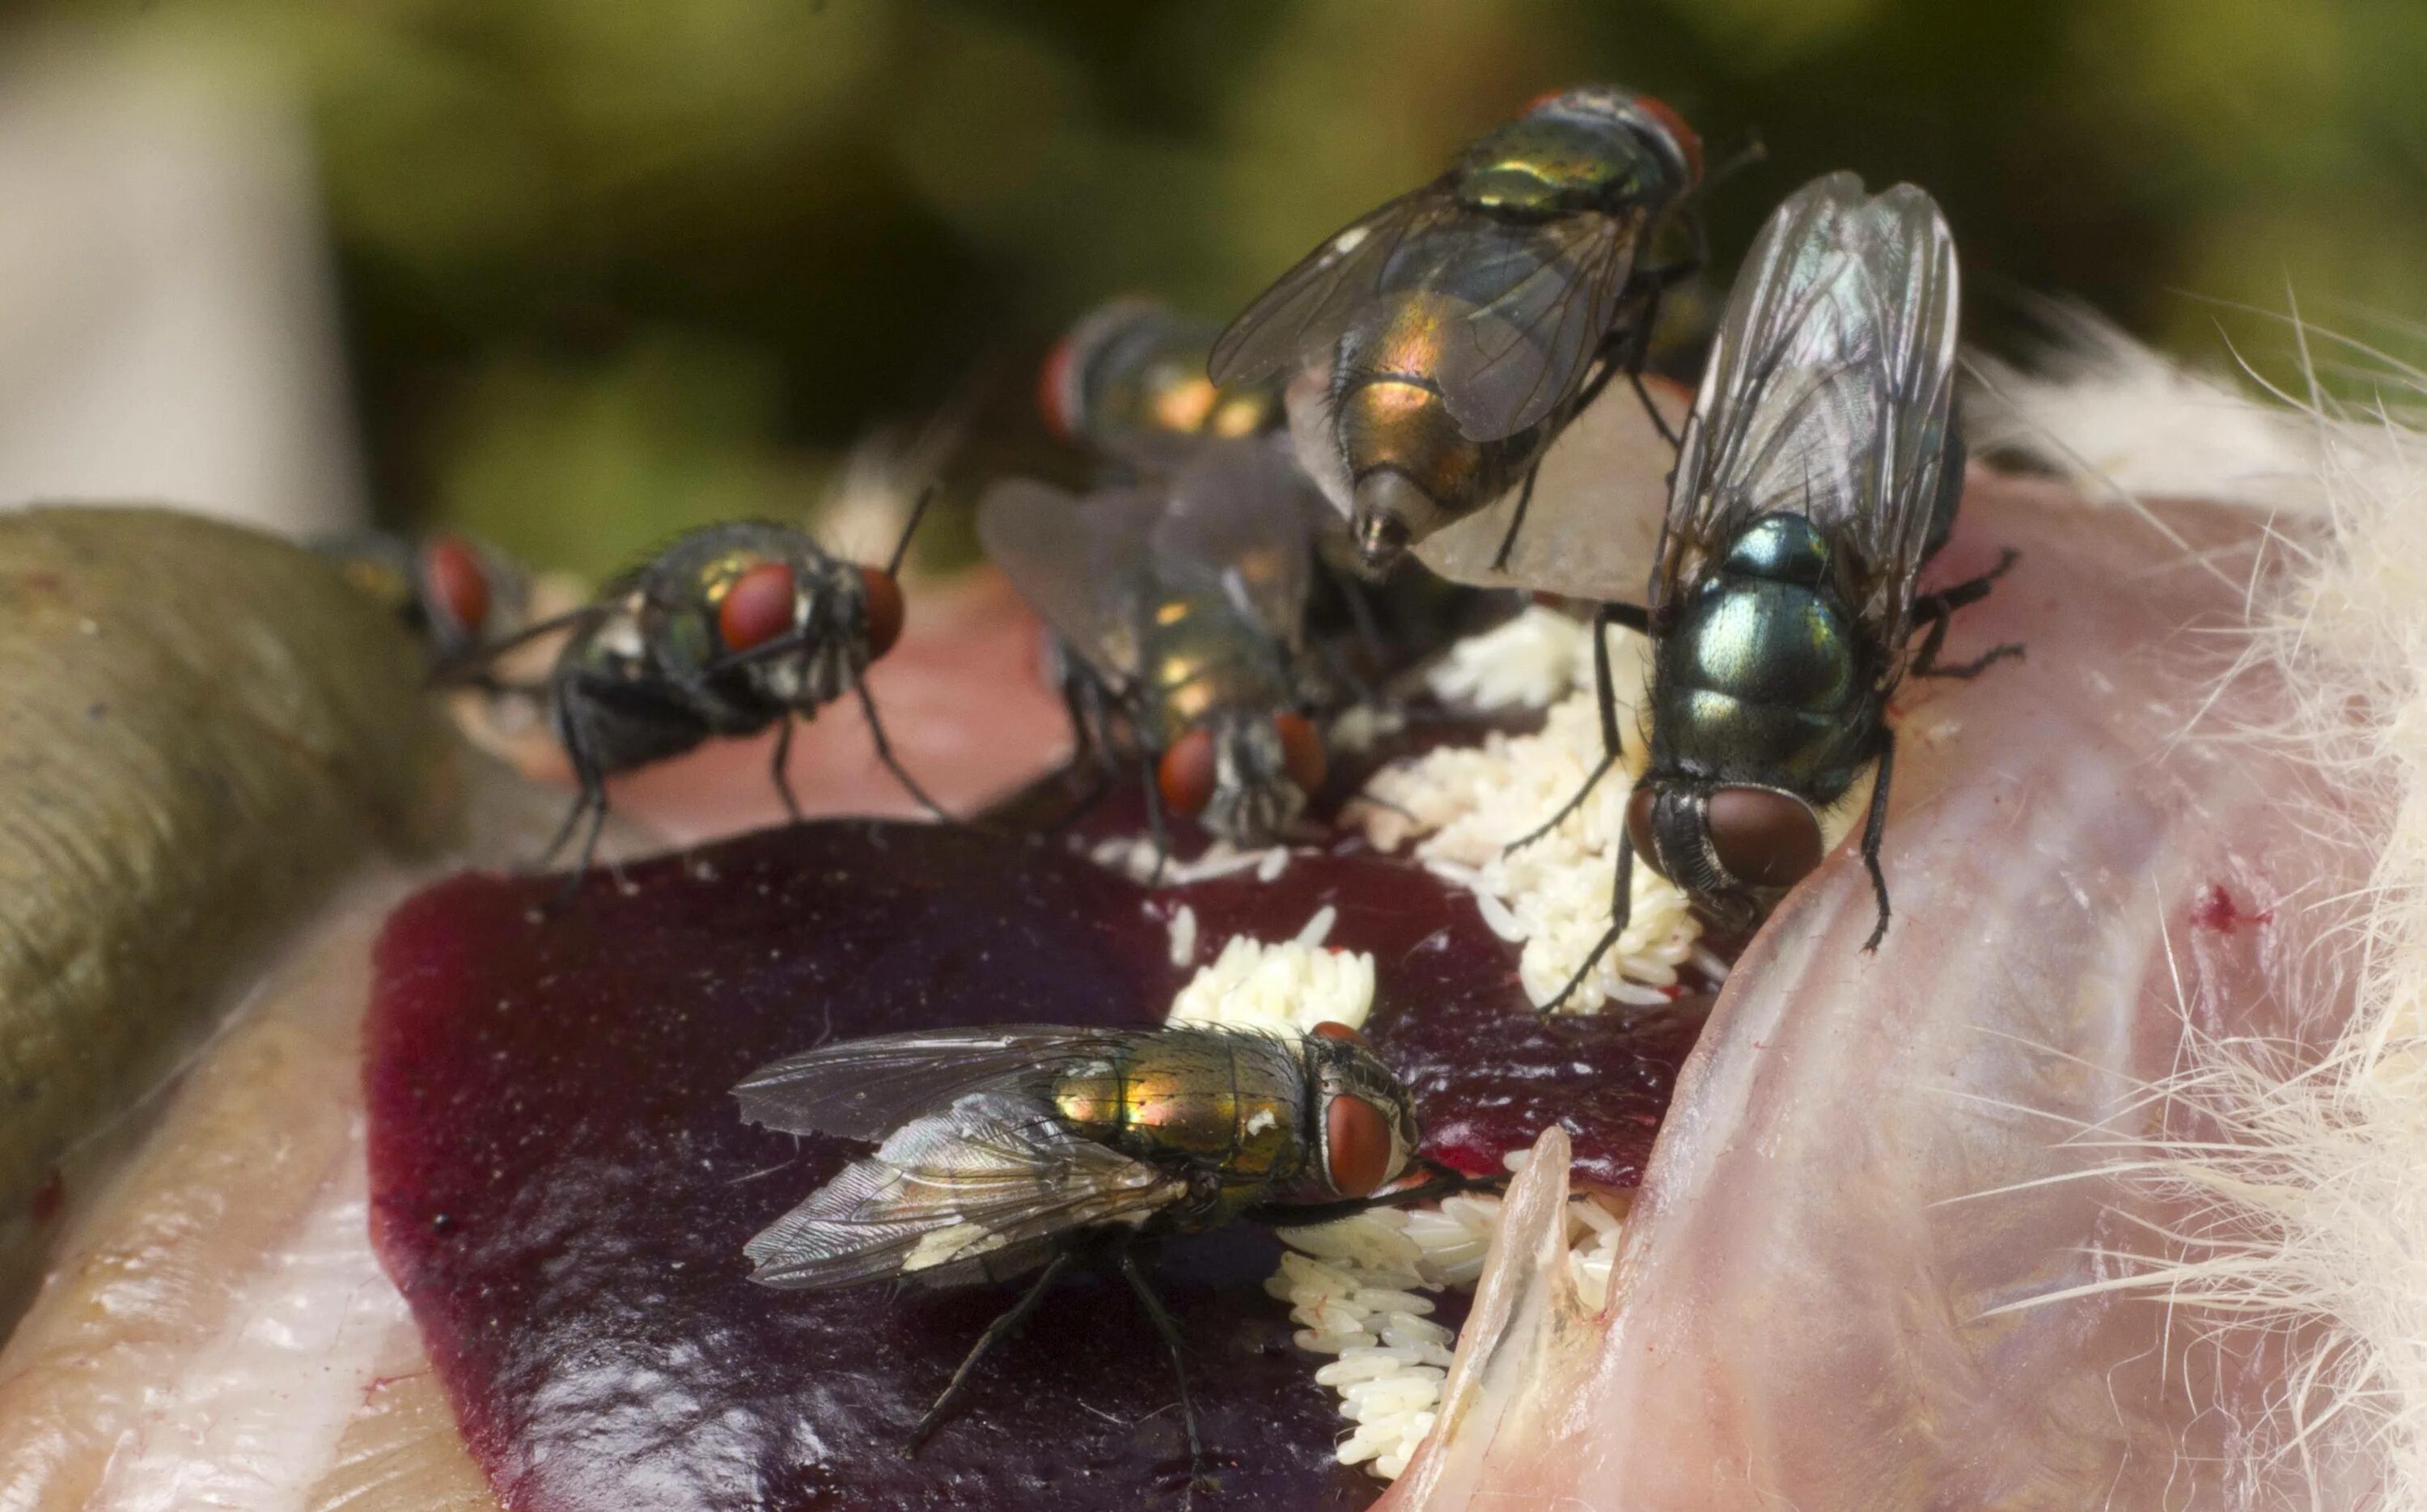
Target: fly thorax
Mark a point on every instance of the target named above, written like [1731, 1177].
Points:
[1766, 643]
[1549, 164]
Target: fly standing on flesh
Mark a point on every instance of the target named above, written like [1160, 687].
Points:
[1460, 327]
[1820, 470]
[1180, 610]
[730, 629]
[1007, 1148]
[1128, 382]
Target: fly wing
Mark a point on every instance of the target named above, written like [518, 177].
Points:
[866, 1088]
[1242, 516]
[1294, 323]
[991, 1176]
[1544, 296]
[1593, 523]
[1828, 390]
[1082, 564]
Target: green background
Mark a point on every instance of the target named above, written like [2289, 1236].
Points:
[611, 266]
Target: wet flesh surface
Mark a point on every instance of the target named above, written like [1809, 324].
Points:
[561, 1187]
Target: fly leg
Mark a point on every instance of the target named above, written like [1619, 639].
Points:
[1605, 689]
[1173, 1346]
[1642, 341]
[1937, 609]
[1516, 520]
[1002, 1328]
[590, 798]
[892, 763]
[1875, 824]
[781, 767]
[1154, 819]
[1441, 1181]
[1621, 906]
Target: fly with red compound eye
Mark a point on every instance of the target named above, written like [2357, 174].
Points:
[1023, 1148]
[453, 593]
[1820, 470]
[1127, 383]
[730, 629]
[1460, 327]
[1179, 608]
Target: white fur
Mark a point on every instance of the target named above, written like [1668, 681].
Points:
[2310, 1202]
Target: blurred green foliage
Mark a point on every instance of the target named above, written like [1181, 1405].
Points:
[616, 266]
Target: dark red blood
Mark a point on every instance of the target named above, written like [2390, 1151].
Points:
[758, 608]
[2215, 909]
[562, 1186]
[458, 583]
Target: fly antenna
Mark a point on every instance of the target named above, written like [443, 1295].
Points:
[918, 512]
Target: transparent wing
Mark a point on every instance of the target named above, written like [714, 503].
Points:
[866, 1088]
[1244, 516]
[1828, 390]
[991, 1176]
[1291, 324]
[1593, 524]
[1082, 564]
[1544, 296]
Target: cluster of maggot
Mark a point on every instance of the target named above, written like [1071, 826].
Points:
[1471, 804]
[1357, 1286]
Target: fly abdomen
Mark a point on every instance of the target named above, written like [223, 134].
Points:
[1411, 469]
[1227, 1103]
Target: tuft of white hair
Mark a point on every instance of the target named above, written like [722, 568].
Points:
[2307, 1188]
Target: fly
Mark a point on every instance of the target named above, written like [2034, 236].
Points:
[451, 592]
[1458, 328]
[1014, 1149]
[1180, 608]
[730, 629]
[1128, 382]
[1821, 467]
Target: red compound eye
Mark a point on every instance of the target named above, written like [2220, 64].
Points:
[1767, 839]
[1541, 100]
[1186, 772]
[1689, 142]
[883, 592]
[1054, 390]
[1356, 1145]
[1334, 1028]
[758, 608]
[1302, 749]
[456, 582]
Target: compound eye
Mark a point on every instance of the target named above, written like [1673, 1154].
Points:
[1687, 141]
[758, 608]
[1334, 1028]
[1764, 838]
[1541, 100]
[1638, 824]
[1356, 1145]
[1186, 772]
[1053, 397]
[457, 581]
[1301, 750]
[882, 592]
